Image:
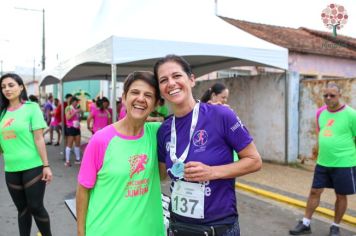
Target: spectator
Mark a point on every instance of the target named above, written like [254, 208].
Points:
[218, 93]
[121, 109]
[160, 113]
[336, 162]
[47, 109]
[55, 123]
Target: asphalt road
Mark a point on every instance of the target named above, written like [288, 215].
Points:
[257, 216]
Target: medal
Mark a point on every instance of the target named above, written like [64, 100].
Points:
[178, 169]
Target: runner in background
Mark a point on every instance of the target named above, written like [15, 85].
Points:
[101, 116]
[55, 124]
[72, 113]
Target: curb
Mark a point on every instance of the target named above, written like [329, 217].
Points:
[292, 201]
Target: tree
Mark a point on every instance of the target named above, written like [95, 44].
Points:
[334, 17]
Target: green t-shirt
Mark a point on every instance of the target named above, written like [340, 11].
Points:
[337, 138]
[236, 156]
[17, 139]
[122, 175]
[160, 111]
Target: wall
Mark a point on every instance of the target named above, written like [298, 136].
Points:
[260, 103]
[310, 100]
[319, 65]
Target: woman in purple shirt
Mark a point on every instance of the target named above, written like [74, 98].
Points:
[195, 148]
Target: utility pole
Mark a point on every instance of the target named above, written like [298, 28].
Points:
[43, 41]
[216, 7]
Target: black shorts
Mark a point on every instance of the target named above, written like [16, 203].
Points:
[341, 179]
[71, 131]
[65, 130]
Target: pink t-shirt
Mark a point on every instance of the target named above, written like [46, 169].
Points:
[122, 112]
[94, 153]
[319, 111]
[101, 118]
[92, 107]
[75, 120]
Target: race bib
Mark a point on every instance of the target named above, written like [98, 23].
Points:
[187, 199]
[76, 124]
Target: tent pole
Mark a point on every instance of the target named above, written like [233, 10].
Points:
[286, 117]
[61, 91]
[113, 92]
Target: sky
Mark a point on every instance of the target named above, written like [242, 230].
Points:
[72, 26]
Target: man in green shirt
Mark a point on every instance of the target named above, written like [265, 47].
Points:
[336, 163]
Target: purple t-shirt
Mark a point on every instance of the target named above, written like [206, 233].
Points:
[218, 132]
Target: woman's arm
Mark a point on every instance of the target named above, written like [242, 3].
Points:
[41, 148]
[250, 161]
[70, 114]
[82, 201]
[90, 118]
[162, 171]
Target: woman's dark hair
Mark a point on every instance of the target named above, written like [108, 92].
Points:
[68, 95]
[217, 88]
[4, 102]
[100, 101]
[33, 98]
[73, 99]
[147, 77]
[172, 58]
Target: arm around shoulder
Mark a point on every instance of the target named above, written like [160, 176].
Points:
[82, 201]
[162, 171]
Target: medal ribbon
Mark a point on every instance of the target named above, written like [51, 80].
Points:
[173, 143]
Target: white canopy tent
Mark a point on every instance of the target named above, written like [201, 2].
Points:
[129, 54]
[127, 36]
[117, 56]
[135, 39]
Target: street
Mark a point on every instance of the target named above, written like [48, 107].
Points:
[257, 216]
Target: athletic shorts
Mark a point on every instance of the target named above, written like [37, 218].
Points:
[341, 179]
[71, 131]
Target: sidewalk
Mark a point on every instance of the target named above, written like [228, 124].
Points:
[292, 185]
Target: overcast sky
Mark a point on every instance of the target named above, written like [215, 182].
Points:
[73, 25]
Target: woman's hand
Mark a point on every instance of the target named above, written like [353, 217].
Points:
[47, 174]
[197, 172]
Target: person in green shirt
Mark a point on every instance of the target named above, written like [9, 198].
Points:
[118, 189]
[26, 164]
[336, 162]
[160, 113]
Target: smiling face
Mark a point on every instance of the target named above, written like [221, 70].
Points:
[221, 97]
[174, 83]
[140, 100]
[11, 89]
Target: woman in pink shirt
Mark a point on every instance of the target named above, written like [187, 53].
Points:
[72, 114]
[101, 117]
